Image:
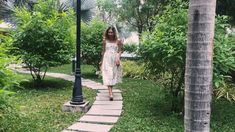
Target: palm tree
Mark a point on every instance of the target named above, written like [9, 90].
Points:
[198, 74]
[7, 7]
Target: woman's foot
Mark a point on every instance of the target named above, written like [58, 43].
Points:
[111, 97]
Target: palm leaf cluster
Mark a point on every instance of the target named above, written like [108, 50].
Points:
[7, 7]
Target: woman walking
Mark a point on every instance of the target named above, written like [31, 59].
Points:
[110, 63]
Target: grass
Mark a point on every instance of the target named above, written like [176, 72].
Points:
[38, 109]
[147, 109]
[87, 71]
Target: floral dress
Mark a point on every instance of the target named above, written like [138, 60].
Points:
[111, 73]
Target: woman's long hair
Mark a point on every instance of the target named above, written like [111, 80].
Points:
[106, 36]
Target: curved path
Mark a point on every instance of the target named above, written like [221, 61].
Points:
[103, 113]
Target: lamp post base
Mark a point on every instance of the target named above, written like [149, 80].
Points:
[68, 107]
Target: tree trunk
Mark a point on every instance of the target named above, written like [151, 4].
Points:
[199, 69]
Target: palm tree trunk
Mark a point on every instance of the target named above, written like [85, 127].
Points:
[199, 69]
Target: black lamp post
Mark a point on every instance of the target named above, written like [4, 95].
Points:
[77, 98]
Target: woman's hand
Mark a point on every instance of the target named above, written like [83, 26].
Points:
[118, 62]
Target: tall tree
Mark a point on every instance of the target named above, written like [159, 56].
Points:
[198, 74]
[136, 13]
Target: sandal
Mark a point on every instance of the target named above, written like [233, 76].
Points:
[111, 97]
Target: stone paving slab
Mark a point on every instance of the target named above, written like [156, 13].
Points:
[107, 98]
[96, 87]
[115, 95]
[108, 102]
[106, 91]
[98, 119]
[104, 94]
[103, 112]
[108, 107]
[90, 127]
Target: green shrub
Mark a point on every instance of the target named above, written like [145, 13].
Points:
[43, 37]
[224, 55]
[91, 42]
[134, 69]
[8, 80]
[224, 60]
[164, 51]
[130, 48]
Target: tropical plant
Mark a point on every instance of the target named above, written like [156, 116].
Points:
[8, 79]
[91, 42]
[43, 37]
[163, 51]
[134, 69]
[130, 48]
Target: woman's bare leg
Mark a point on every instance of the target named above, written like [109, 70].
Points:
[110, 92]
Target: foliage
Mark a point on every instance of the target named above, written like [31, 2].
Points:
[134, 69]
[224, 55]
[43, 37]
[7, 7]
[224, 60]
[91, 42]
[226, 7]
[130, 48]
[136, 14]
[164, 52]
[227, 91]
[8, 79]
[164, 48]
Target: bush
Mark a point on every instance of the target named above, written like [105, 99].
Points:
[8, 80]
[134, 69]
[130, 48]
[91, 42]
[224, 61]
[164, 51]
[43, 37]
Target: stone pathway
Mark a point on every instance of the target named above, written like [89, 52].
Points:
[103, 113]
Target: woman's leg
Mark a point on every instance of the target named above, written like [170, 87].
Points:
[110, 92]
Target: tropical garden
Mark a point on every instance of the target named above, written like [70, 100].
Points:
[43, 39]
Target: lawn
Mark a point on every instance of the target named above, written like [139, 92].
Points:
[38, 109]
[87, 71]
[147, 109]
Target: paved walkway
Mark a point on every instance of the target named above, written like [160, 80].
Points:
[102, 115]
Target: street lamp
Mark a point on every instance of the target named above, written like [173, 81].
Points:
[77, 97]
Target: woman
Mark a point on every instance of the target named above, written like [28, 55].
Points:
[110, 63]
